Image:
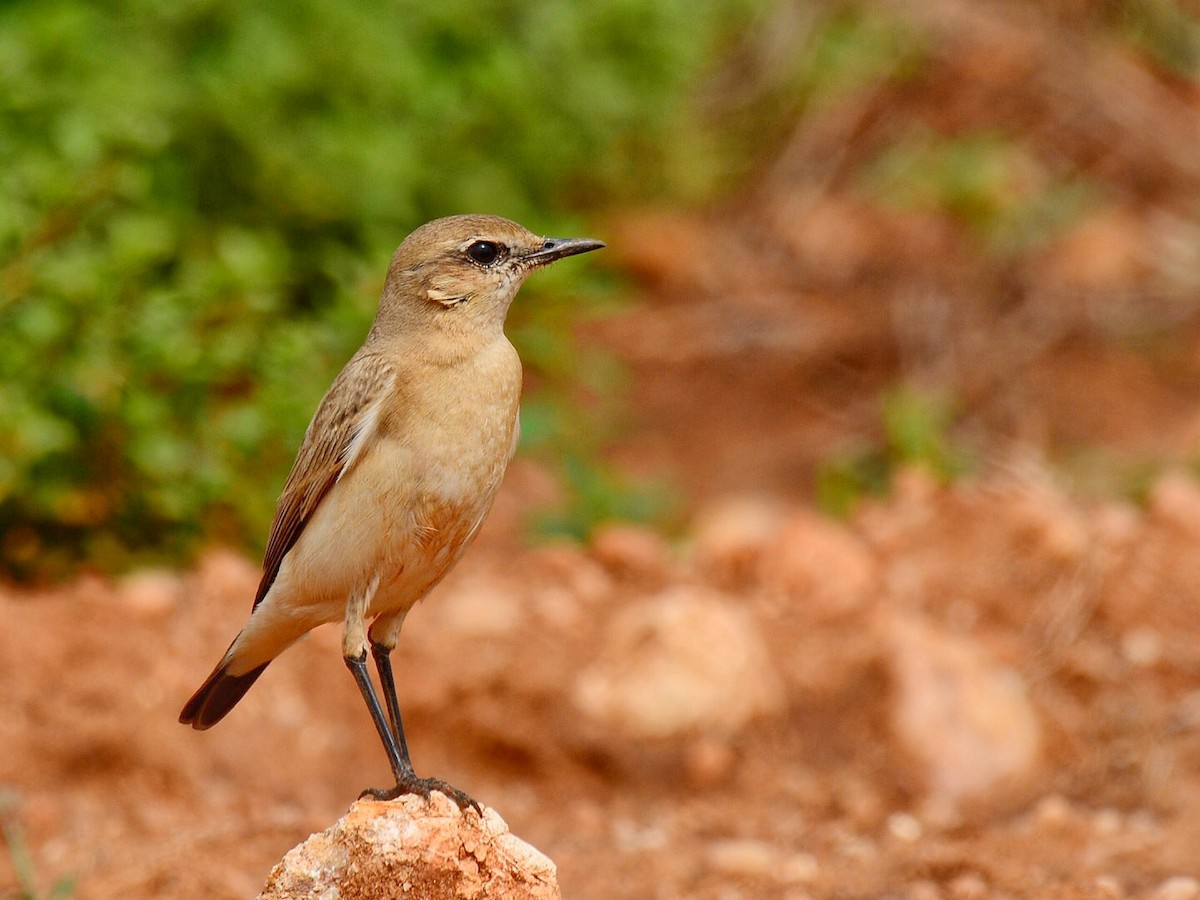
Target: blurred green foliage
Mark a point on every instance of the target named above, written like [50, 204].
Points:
[916, 434]
[199, 199]
[987, 181]
[798, 60]
[1166, 30]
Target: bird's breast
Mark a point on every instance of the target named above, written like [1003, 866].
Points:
[443, 460]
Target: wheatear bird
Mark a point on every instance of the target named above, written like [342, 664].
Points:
[398, 468]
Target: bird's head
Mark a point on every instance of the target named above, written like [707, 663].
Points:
[461, 273]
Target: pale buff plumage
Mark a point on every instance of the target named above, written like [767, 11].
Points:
[402, 459]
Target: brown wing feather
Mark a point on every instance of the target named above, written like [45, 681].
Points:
[322, 456]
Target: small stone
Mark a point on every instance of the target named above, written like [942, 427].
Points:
[1177, 887]
[858, 848]
[730, 537]
[968, 886]
[905, 827]
[632, 837]
[1106, 821]
[1108, 886]
[798, 868]
[938, 812]
[1053, 810]
[1141, 646]
[743, 857]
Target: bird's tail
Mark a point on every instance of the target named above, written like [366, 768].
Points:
[218, 695]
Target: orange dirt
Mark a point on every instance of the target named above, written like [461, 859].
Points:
[1064, 635]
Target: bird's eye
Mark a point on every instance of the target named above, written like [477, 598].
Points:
[484, 252]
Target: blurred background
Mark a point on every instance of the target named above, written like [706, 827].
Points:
[851, 546]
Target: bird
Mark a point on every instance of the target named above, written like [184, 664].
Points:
[397, 470]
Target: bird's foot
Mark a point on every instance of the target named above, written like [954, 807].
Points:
[423, 787]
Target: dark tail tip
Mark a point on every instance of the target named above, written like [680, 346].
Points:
[217, 696]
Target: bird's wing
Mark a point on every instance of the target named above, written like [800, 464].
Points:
[340, 428]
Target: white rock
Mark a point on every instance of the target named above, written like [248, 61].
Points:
[730, 537]
[1178, 887]
[967, 719]
[798, 868]
[410, 847]
[685, 661]
[743, 857]
[1142, 646]
[905, 827]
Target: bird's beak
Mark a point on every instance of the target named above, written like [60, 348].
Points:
[557, 248]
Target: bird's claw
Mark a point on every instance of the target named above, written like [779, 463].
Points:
[423, 787]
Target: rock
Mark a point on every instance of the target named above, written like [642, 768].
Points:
[905, 827]
[412, 848]
[730, 538]
[1142, 646]
[798, 867]
[1177, 887]
[968, 886]
[1052, 811]
[685, 661]
[743, 857]
[633, 551]
[822, 565]
[756, 859]
[964, 717]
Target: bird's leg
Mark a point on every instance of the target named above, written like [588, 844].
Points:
[383, 634]
[387, 684]
[358, 668]
[355, 652]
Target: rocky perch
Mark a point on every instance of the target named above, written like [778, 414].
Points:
[414, 849]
